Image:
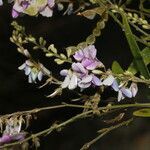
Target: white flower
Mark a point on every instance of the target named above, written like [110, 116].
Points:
[70, 79]
[1, 2]
[33, 72]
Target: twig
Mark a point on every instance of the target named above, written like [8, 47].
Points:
[79, 116]
[106, 131]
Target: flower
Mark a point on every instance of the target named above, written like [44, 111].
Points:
[80, 73]
[47, 10]
[44, 7]
[79, 76]
[122, 91]
[70, 79]
[1, 2]
[111, 81]
[33, 72]
[87, 57]
[12, 132]
[19, 7]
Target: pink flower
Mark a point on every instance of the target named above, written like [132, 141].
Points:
[87, 57]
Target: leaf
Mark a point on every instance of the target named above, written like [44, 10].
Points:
[49, 54]
[52, 48]
[59, 61]
[91, 13]
[90, 39]
[139, 62]
[146, 56]
[63, 56]
[116, 68]
[142, 112]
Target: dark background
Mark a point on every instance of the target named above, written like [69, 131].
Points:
[16, 94]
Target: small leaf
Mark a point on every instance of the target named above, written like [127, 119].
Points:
[142, 112]
[63, 56]
[90, 39]
[59, 61]
[49, 54]
[52, 48]
[116, 68]
[146, 55]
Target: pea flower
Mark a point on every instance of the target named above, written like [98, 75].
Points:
[87, 57]
[47, 10]
[12, 132]
[80, 73]
[71, 79]
[122, 91]
[85, 79]
[33, 72]
[1, 2]
[21, 6]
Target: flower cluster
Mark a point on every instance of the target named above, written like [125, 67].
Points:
[121, 89]
[12, 132]
[80, 73]
[33, 72]
[33, 7]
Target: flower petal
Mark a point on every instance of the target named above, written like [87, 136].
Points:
[78, 67]
[109, 80]
[96, 81]
[66, 82]
[115, 85]
[22, 66]
[40, 75]
[73, 82]
[120, 96]
[134, 89]
[64, 72]
[47, 12]
[78, 55]
[27, 70]
[84, 85]
[126, 92]
[86, 79]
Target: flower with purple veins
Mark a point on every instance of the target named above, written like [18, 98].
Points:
[87, 57]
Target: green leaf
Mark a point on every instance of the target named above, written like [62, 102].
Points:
[59, 61]
[146, 57]
[142, 112]
[116, 68]
[139, 62]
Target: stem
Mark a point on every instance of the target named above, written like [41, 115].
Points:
[77, 117]
[106, 131]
